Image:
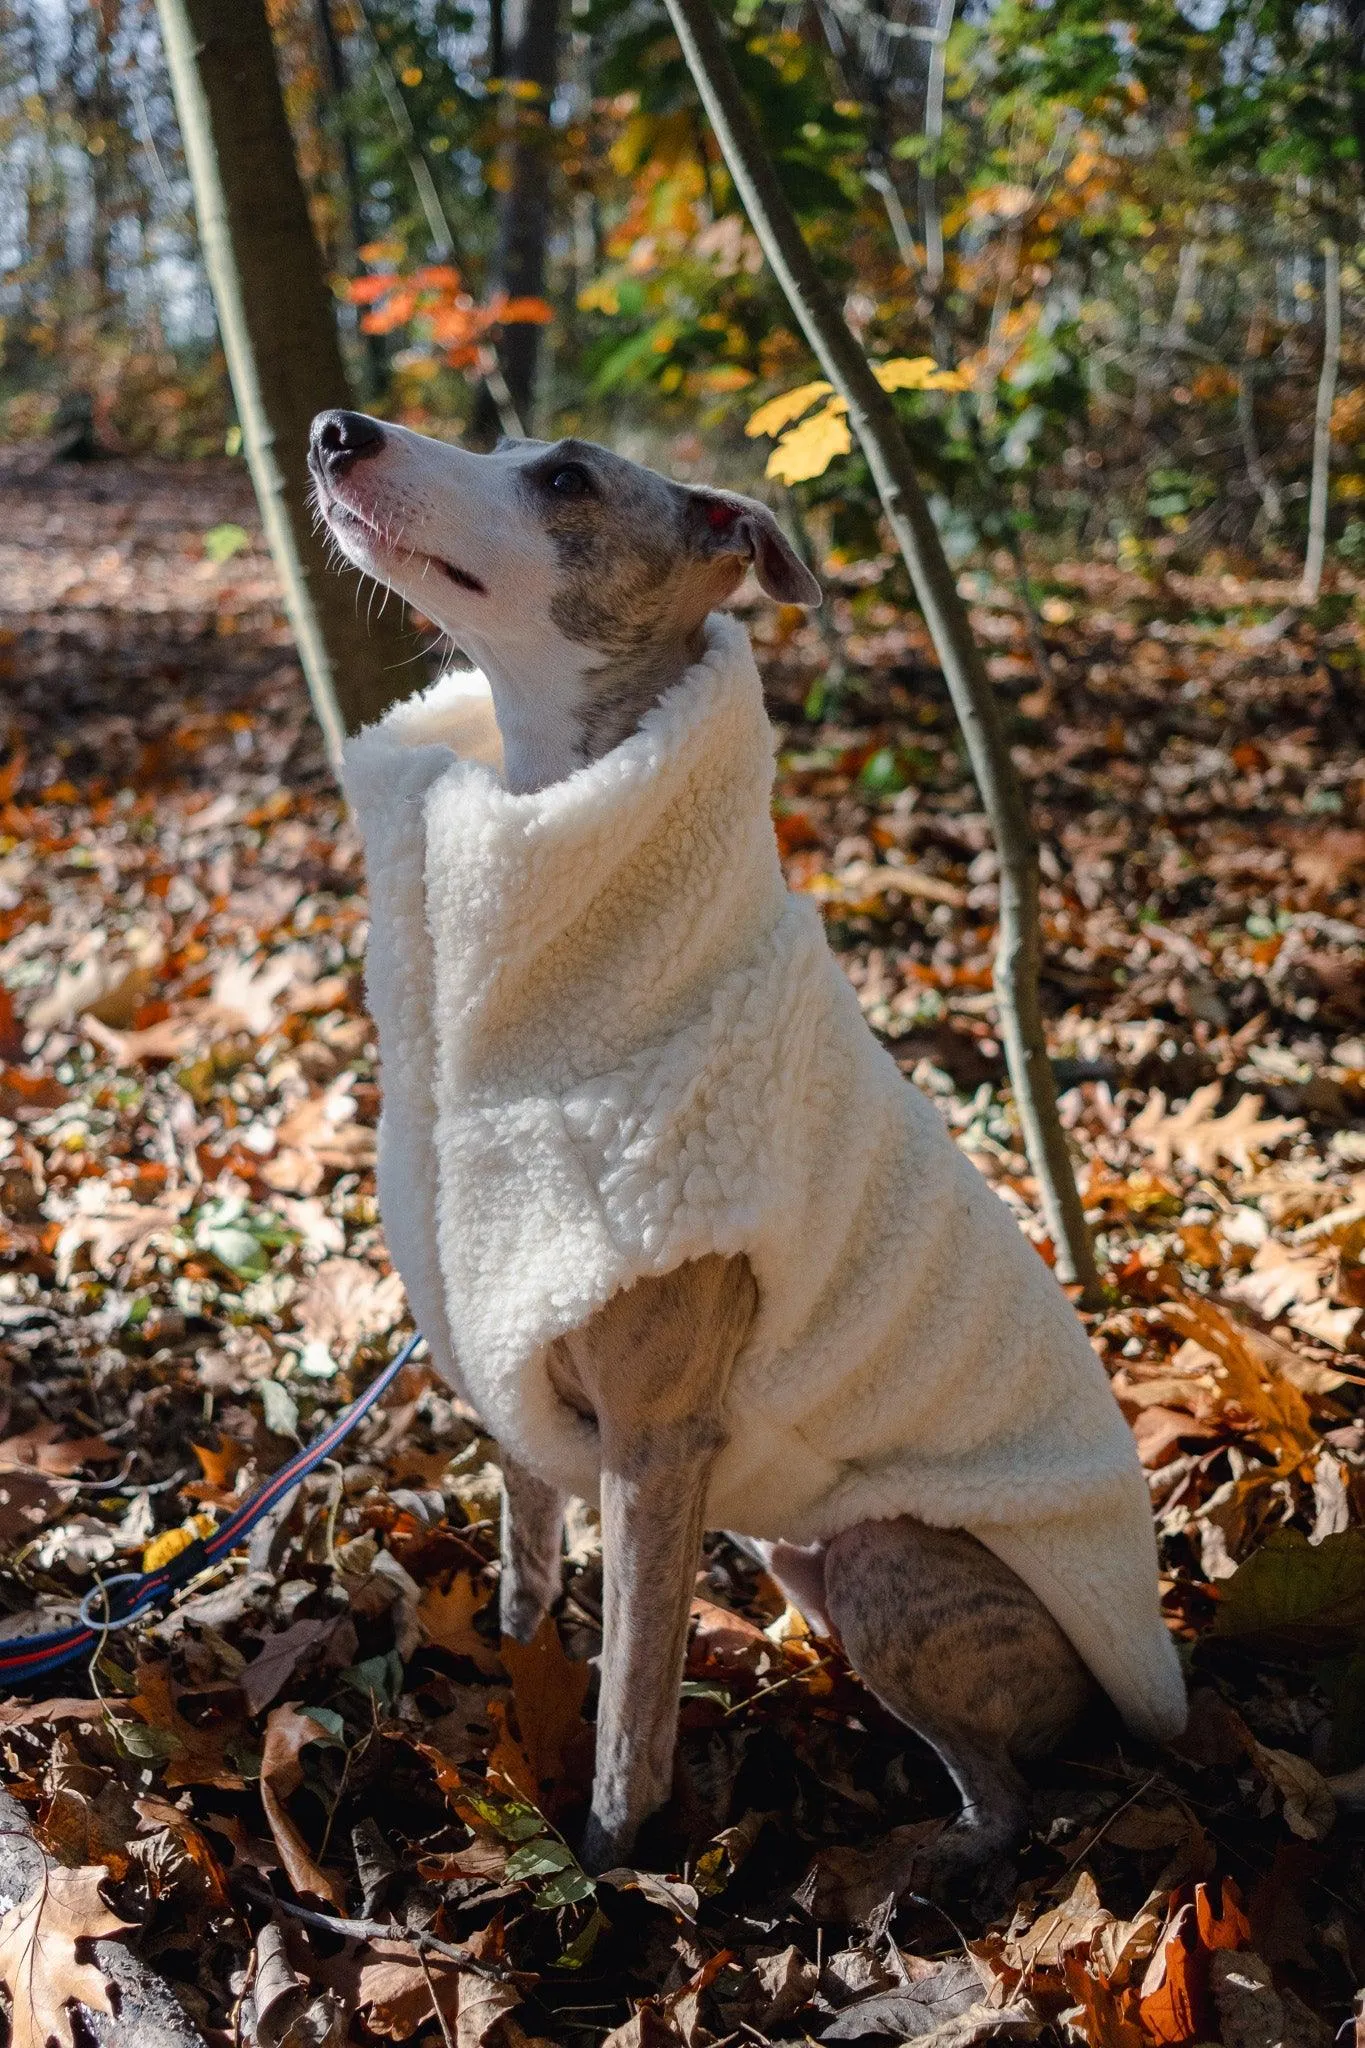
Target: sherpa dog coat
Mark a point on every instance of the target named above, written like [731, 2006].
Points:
[612, 1041]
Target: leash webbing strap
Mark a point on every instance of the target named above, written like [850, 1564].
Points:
[33, 1656]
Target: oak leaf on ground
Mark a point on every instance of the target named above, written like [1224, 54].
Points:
[38, 1960]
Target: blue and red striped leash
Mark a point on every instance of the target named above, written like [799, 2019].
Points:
[34, 1656]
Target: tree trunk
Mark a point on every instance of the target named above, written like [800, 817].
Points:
[279, 335]
[873, 418]
[530, 30]
[1322, 424]
[369, 348]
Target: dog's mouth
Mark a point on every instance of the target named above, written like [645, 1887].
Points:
[340, 516]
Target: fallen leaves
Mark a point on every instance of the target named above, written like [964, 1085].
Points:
[288, 1731]
[39, 1963]
[447, 1619]
[1196, 1137]
[344, 1305]
[191, 1252]
[551, 1744]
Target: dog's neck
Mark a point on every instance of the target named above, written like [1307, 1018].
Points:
[559, 712]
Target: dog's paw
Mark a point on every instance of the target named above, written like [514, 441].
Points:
[604, 1848]
[520, 1613]
[968, 1866]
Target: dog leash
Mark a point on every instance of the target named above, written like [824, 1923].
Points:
[34, 1656]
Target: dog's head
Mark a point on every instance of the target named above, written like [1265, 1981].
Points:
[569, 574]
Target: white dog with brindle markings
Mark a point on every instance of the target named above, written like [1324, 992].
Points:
[666, 1212]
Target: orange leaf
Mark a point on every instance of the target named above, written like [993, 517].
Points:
[1108, 2017]
[220, 1465]
[363, 291]
[524, 313]
[438, 277]
[548, 1690]
[1224, 1926]
[12, 774]
[1174, 1988]
[455, 323]
[11, 1030]
[402, 304]
[447, 1620]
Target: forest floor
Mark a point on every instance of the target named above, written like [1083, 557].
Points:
[193, 1278]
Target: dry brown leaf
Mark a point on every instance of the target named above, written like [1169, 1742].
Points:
[44, 1449]
[170, 1039]
[38, 1961]
[725, 1645]
[1310, 1810]
[553, 1744]
[121, 1236]
[1071, 1925]
[281, 1655]
[244, 992]
[400, 1991]
[344, 1305]
[1197, 1138]
[447, 1619]
[1248, 1384]
[325, 1128]
[287, 1732]
[198, 1755]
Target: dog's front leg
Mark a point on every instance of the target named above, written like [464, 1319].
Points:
[532, 1534]
[655, 1364]
[653, 1504]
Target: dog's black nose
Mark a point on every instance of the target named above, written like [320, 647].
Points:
[340, 438]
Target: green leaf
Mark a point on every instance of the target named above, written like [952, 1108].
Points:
[510, 1818]
[883, 774]
[1301, 1598]
[540, 1858]
[584, 1942]
[237, 1249]
[379, 1677]
[566, 1890]
[700, 1689]
[329, 1719]
[146, 1745]
[221, 543]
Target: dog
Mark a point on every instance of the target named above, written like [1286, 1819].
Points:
[584, 586]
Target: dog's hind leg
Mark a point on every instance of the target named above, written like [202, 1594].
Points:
[532, 1538]
[956, 1646]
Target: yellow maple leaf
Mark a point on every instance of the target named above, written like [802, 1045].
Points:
[779, 412]
[917, 373]
[808, 450]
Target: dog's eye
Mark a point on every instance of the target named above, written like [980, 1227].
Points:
[570, 480]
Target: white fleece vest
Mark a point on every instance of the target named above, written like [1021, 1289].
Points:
[612, 1041]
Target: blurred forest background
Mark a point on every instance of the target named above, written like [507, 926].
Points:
[1133, 229]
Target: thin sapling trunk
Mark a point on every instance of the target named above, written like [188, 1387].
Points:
[873, 419]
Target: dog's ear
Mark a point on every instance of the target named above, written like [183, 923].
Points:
[723, 523]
